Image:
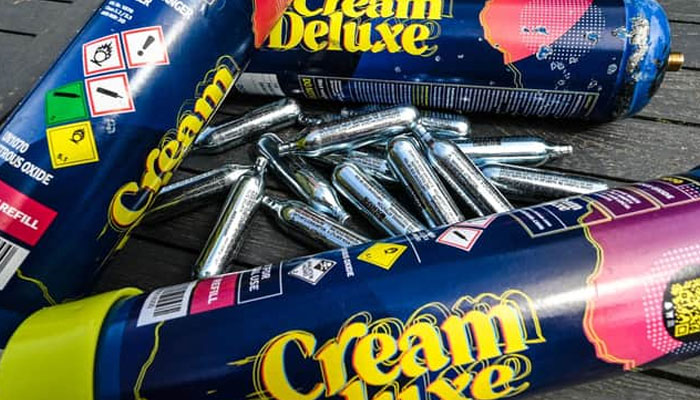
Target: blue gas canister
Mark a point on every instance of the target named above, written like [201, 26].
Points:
[89, 148]
[589, 59]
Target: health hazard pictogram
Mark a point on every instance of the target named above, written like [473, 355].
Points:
[109, 95]
[145, 47]
[103, 55]
[383, 255]
[460, 237]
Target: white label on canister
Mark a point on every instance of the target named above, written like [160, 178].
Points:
[259, 84]
[166, 304]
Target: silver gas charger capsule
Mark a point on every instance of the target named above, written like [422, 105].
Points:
[450, 125]
[373, 201]
[226, 238]
[421, 182]
[280, 114]
[537, 185]
[187, 194]
[309, 226]
[521, 150]
[352, 133]
[462, 175]
[302, 178]
[369, 161]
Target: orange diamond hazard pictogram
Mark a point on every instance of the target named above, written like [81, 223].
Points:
[383, 255]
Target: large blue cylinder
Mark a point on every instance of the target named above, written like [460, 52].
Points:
[590, 59]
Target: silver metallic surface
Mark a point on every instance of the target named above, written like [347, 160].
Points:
[226, 238]
[302, 178]
[536, 185]
[280, 114]
[373, 201]
[194, 192]
[462, 175]
[308, 225]
[521, 150]
[351, 133]
[369, 162]
[453, 125]
[416, 175]
[318, 119]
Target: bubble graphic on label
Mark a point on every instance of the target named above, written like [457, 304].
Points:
[573, 60]
[612, 68]
[397, 69]
[543, 52]
[460, 56]
[592, 37]
[438, 58]
[541, 30]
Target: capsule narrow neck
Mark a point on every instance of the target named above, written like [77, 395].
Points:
[423, 134]
[271, 203]
[561, 150]
[287, 148]
[260, 165]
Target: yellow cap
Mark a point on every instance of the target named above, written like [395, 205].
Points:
[52, 354]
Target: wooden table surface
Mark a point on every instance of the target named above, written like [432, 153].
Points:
[663, 138]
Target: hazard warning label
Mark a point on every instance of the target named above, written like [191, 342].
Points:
[460, 237]
[145, 47]
[383, 255]
[66, 104]
[109, 95]
[72, 144]
[103, 55]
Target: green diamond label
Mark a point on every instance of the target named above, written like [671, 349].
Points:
[66, 104]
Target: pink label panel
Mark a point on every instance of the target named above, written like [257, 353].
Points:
[214, 293]
[22, 217]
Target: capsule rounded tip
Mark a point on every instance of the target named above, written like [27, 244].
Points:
[202, 273]
[675, 61]
[206, 141]
[293, 104]
[401, 142]
[409, 113]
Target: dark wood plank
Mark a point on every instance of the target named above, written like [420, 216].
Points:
[689, 369]
[146, 265]
[678, 99]
[54, 23]
[632, 149]
[682, 10]
[36, 16]
[685, 39]
[12, 47]
[631, 386]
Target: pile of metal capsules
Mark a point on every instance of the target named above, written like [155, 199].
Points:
[428, 159]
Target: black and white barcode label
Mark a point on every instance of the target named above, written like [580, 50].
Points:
[11, 258]
[166, 304]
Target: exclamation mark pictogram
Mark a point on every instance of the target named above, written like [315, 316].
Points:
[149, 41]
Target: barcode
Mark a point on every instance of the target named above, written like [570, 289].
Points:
[11, 258]
[166, 304]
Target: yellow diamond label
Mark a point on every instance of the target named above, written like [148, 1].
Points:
[382, 255]
[72, 144]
